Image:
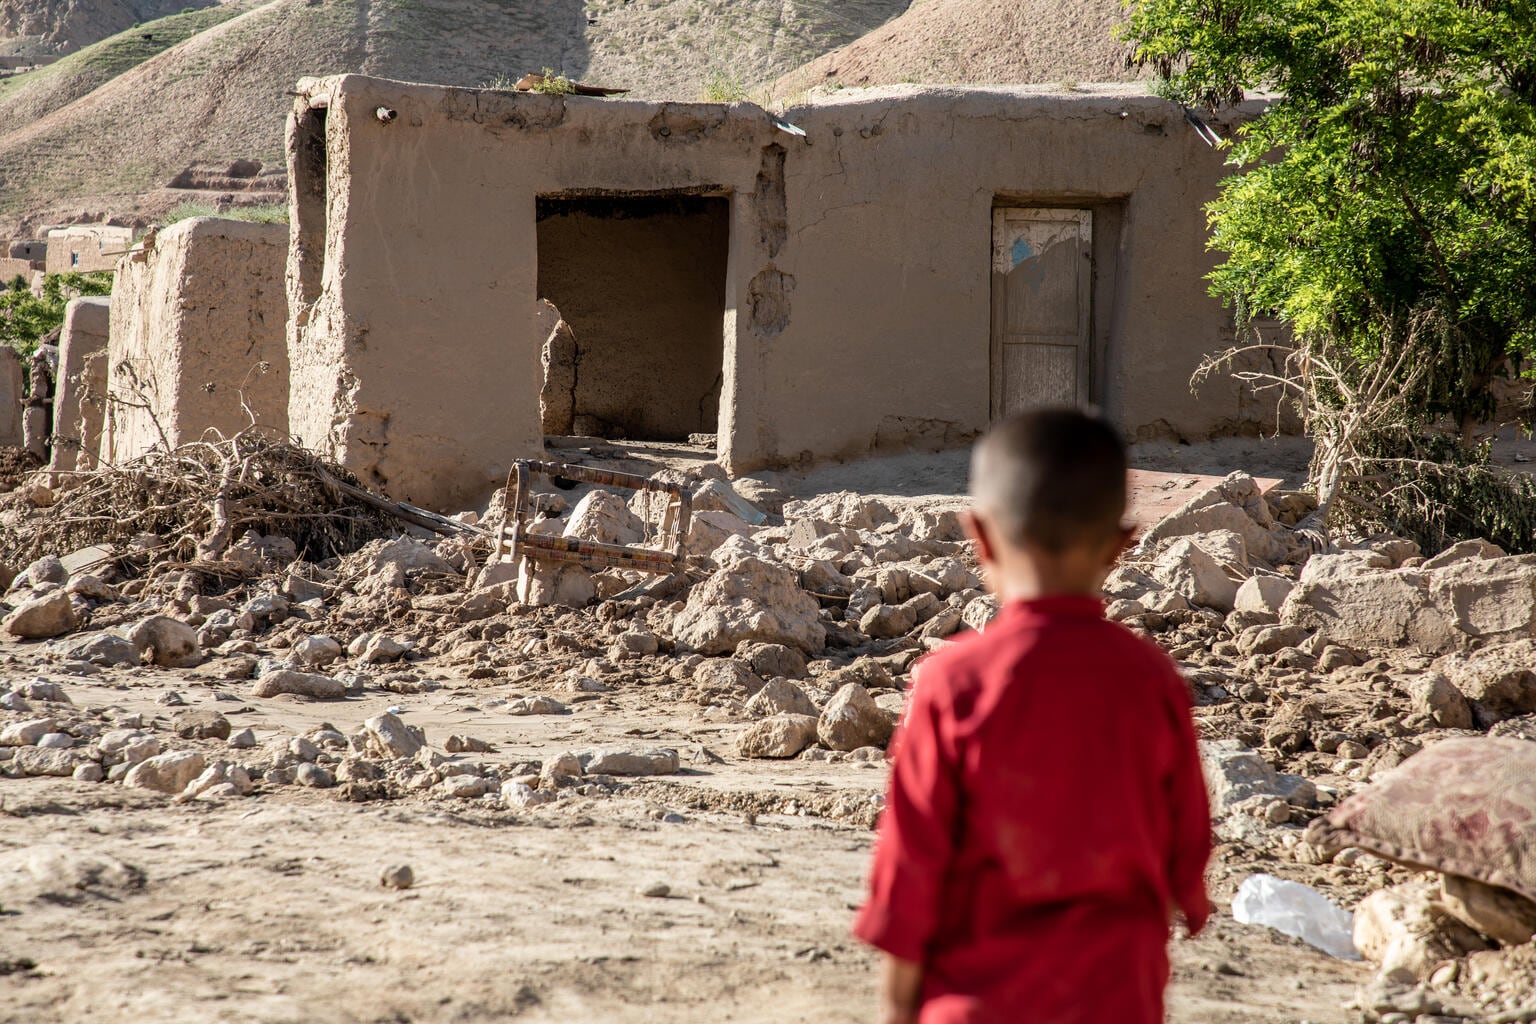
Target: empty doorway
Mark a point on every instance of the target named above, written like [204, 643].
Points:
[1042, 305]
[640, 282]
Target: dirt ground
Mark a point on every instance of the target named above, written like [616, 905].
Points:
[270, 909]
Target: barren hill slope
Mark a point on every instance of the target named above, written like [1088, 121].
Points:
[1025, 42]
[52, 27]
[218, 96]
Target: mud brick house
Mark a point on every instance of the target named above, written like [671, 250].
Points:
[873, 270]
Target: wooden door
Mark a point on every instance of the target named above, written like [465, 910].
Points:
[1042, 284]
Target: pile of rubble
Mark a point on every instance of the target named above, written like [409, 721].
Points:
[1314, 673]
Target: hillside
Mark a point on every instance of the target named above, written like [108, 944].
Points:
[1024, 42]
[78, 144]
[53, 27]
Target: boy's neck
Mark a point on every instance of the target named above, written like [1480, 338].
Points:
[1029, 586]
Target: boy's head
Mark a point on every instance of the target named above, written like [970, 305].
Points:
[1050, 490]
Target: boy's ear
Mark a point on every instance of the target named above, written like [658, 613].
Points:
[977, 530]
[1124, 540]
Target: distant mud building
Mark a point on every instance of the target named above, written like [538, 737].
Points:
[914, 265]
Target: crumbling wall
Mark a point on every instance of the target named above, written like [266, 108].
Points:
[80, 387]
[197, 332]
[12, 395]
[642, 285]
[416, 335]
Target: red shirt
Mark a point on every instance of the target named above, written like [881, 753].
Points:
[1046, 814]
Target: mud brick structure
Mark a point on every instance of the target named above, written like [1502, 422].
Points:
[915, 264]
[80, 386]
[83, 248]
[197, 318]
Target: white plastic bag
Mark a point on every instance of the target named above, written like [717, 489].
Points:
[1296, 910]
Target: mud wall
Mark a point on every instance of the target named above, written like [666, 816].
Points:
[12, 394]
[79, 398]
[857, 271]
[416, 336]
[642, 285]
[82, 250]
[198, 320]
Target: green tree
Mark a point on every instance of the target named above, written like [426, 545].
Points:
[1387, 196]
[25, 318]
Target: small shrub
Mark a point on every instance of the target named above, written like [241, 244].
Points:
[724, 87]
[553, 84]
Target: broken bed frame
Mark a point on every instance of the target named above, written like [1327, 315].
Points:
[514, 542]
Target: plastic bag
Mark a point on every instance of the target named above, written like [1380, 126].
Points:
[1296, 910]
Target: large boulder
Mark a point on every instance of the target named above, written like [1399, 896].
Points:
[1263, 594]
[753, 600]
[709, 529]
[780, 697]
[1188, 569]
[52, 614]
[1499, 680]
[388, 736]
[779, 736]
[630, 761]
[852, 720]
[1506, 917]
[1436, 696]
[603, 516]
[555, 583]
[1488, 597]
[166, 773]
[300, 684]
[167, 642]
[1361, 607]
[1407, 930]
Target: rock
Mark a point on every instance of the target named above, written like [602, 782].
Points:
[1406, 929]
[64, 875]
[560, 770]
[57, 741]
[1368, 609]
[127, 746]
[92, 588]
[945, 624]
[1189, 570]
[89, 772]
[771, 661]
[52, 614]
[1234, 774]
[604, 517]
[1436, 696]
[555, 583]
[460, 744]
[708, 530]
[1488, 597]
[397, 876]
[1499, 680]
[388, 736]
[26, 733]
[780, 697]
[637, 643]
[43, 761]
[844, 508]
[852, 720]
[167, 642]
[779, 736]
[245, 739]
[314, 651]
[1506, 917]
[200, 725]
[303, 748]
[976, 614]
[166, 773]
[105, 649]
[630, 761]
[888, 621]
[314, 776]
[820, 576]
[519, 794]
[1263, 594]
[535, 706]
[726, 677]
[1462, 551]
[755, 600]
[1269, 639]
[379, 649]
[406, 554]
[303, 684]
[465, 787]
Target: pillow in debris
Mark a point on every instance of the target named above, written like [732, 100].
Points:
[1463, 806]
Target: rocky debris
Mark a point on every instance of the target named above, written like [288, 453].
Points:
[397, 876]
[630, 761]
[852, 720]
[63, 875]
[727, 676]
[535, 705]
[460, 744]
[167, 642]
[314, 652]
[557, 584]
[780, 735]
[1189, 570]
[1405, 929]
[26, 733]
[41, 760]
[105, 649]
[1506, 917]
[560, 770]
[753, 601]
[52, 614]
[166, 773]
[1263, 594]
[1435, 696]
[302, 684]
[1500, 681]
[200, 725]
[1234, 774]
[388, 736]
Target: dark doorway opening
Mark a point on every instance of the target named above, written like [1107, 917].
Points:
[640, 283]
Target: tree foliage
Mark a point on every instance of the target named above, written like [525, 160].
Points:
[25, 319]
[1389, 181]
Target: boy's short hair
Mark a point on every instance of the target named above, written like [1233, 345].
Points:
[1051, 478]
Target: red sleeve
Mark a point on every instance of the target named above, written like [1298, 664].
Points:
[1191, 834]
[916, 841]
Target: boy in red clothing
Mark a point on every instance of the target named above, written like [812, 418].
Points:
[1047, 813]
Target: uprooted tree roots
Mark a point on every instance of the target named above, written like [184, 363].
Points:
[200, 497]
